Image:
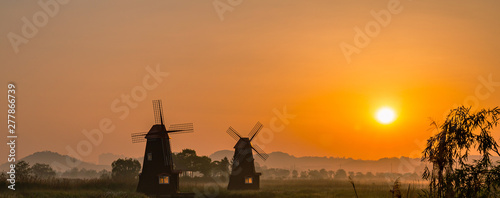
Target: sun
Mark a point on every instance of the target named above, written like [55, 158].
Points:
[386, 115]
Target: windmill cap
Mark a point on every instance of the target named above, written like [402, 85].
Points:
[243, 143]
[157, 131]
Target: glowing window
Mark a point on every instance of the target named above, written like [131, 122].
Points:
[248, 180]
[164, 180]
[150, 156]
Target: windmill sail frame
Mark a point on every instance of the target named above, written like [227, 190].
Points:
[243, 175]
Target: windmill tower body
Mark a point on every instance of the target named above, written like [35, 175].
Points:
[158, 176]
[243, 175]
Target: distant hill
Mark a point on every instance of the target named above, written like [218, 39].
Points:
[401, 165]
[108, 158]
[275, 160]
[286, 161]
[53, 158]
[218, 155]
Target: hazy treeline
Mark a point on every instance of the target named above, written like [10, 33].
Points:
[194, 166]
[340, 174]
[84, 173]
[38, 171]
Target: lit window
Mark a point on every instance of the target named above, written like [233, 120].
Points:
[150, 156]
[164, 180]
[248, 180]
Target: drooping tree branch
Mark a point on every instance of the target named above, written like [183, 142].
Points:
[452, 173]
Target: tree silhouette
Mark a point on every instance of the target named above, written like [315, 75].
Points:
[340, 174]
[187, 160]
[203, 165]
[315, 174]
[220, 168]
[125, 169]
[295, 174]
[23, 170]
[224, 165]
[452, 174]
[43, 171]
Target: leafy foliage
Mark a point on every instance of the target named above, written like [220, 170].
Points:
[220, 168]
[187, 160]
[43, 171]
[82, 173]
[452, 174]
[23, 171]
[125, 169]
[396, 189]
[340, 174]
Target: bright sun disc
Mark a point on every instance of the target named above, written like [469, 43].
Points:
[386, 115]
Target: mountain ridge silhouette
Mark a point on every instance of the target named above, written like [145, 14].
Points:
[275, 160]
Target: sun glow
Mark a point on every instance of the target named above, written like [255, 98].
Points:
[386, 115]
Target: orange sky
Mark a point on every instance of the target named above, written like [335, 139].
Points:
[262, 56]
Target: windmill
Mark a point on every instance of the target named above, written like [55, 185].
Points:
[158, 176]
[243, 175]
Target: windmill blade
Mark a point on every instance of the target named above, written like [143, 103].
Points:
[235, 135]
[158, 111]
[181, 128]
[139, 140]
[138, 137]
[263, 155]
[255, 130]
[179, 131]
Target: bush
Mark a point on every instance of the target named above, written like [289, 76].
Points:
[125, 169]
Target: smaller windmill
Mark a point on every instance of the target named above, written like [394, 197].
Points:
[158, 176]
[243, 175]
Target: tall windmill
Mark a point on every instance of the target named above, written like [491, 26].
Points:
[158, 176]
[243, 175]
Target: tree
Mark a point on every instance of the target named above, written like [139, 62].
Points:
[104, 174]
[187, 160]
[224, 165]
[80, 173]
[202, 164]
[324, 173]
[360, 175]
[43, 171]
[220, 168]
[23, 170]
[452, 174]
[276, 173]
[314, 174]
[71, 173]
[340, 174]
[295, 174]
[303, 174]
[125, 169]
[331, 173]
[351, 174]
[369, 175]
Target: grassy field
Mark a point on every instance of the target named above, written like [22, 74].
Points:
[72, 188]
[269, 188]
[310, 188]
